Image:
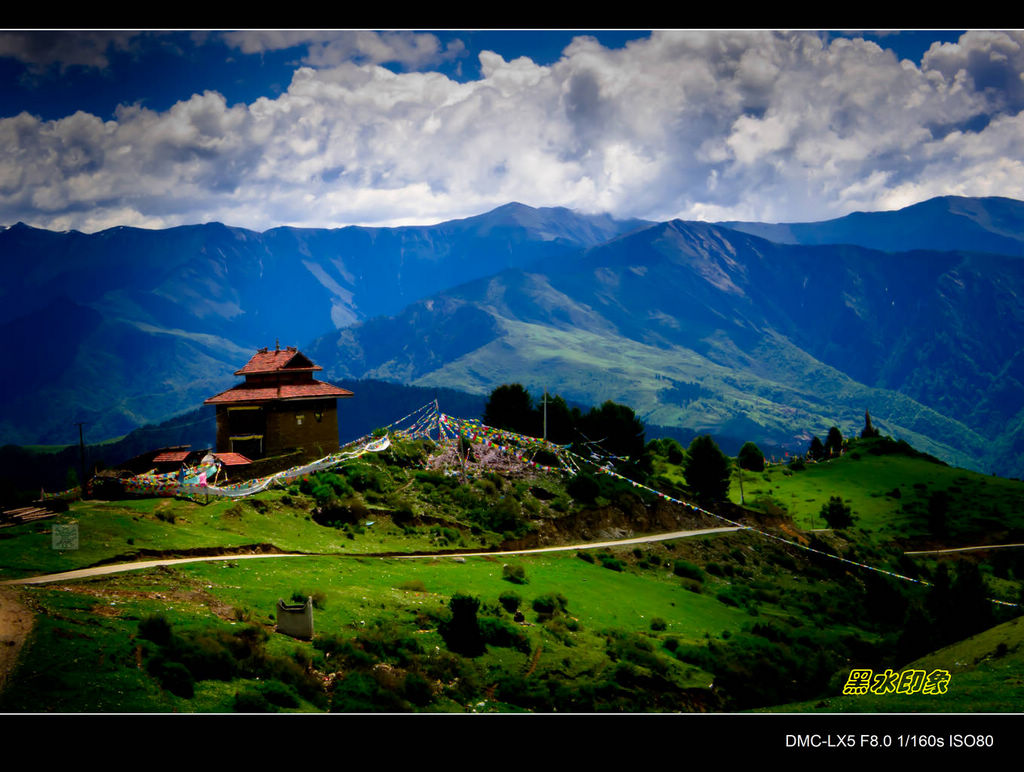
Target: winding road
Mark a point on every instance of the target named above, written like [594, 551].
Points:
[83, 573]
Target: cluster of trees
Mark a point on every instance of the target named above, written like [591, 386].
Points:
[830, 448]
[616, 430]
[614, 427]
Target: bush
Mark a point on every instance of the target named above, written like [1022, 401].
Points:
[417, 690]
[499, 632]
[510, 601]
[612, 563]
[402, 511]
[584, 488]
[548, 605]
[276, 693]
[462, 632]
[687, 570]
[155, 628]
[658, 624]
[173, 676]
[251, 701]
[514, 574]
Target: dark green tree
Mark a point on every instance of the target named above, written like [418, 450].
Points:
[511, 407]
[834, 442]
[836, 513]
[668, 448]
[615, 428]
[970, 599]
[462, 632]
[707, 469]
[750, 457]
[869, 431]
[816, 451]
[938, 514]
[561, 420]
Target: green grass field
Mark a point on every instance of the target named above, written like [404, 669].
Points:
[730, 622]
[888, 495]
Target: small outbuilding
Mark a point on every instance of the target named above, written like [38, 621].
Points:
[278, 408]
[295, 620]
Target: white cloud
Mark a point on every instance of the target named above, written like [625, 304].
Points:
[713, 125]
[330, 48]
[41, 50]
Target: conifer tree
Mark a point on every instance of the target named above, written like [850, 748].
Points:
[750, 457]
[869, 430]
[834, 442]
[707, 469]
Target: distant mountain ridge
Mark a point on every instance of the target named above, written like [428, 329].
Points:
[914, 314]
[991, 224]
[130, 326]
[778, 341]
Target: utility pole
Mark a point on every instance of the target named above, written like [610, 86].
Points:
[81, 458]
[545, 414]
[739, 471]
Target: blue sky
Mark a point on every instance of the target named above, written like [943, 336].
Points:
[321, 128]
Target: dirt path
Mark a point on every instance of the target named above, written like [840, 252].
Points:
[119, 567]
[16, 622]
[962, 549]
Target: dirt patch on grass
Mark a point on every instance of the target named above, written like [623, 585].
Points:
[111, 597]
[16, 622]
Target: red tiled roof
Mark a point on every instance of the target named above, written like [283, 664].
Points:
[291, 359]
[247, 393]
[172, 455]
[232, 459]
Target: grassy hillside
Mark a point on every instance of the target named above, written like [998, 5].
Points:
[889, 492]
[725, 622]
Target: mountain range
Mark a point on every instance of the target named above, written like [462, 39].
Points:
[760, 331]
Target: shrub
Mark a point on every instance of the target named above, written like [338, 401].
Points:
[584, 488]
[173, 676]
[462, 632]
[276, 693]
[499, 632]
[550, 604]
[402, 511]
[155, 628]
[584, 555]
[514, 574]
[251, 701]
[510, 601]
[687, 570]
[612, 563]
[417, 690]
[658, 624]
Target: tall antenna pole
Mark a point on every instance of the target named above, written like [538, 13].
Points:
[545, 403]
[81, 457]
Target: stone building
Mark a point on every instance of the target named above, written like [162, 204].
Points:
[278, 408]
